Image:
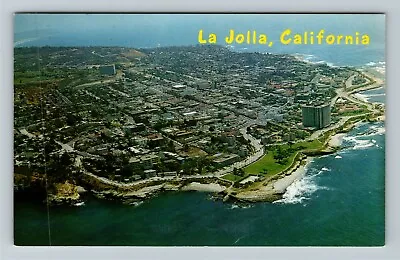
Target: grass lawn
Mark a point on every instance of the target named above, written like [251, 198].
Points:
[272, 166]
[315, 144]
[232, 177]
[354, 112]
[268, 162]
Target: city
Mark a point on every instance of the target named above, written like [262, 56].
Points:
[129, 123]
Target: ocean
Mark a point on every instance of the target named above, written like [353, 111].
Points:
[339, 202]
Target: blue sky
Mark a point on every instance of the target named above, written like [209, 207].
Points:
[186, 23]
[151, 30]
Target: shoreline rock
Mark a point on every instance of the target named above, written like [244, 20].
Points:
[209, 187]
[64, 193]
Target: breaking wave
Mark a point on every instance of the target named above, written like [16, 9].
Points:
[240, 206]
[362, 141]
[302, 189]
[376, 130]
[367, 97]
[362, 144]
[372, 63]
[310, 58]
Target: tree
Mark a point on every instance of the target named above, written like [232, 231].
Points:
[58, 123]
[188, 166]
[278, 155]
[235, 171]
[71, 119]
[170, 146]
[284, 161]
[127, 170]
[95, 113]
[214, 139]
[186, 147]
[202, 162]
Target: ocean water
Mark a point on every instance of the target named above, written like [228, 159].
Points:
[339, 202]
[374, 95]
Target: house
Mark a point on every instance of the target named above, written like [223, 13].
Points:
[223, 160]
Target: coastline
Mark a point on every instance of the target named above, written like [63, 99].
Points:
[282, 184]
[336, 140]
[275, 186]
[267, 189]
[210, 187]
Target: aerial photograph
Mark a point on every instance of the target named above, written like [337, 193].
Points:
[199, 129]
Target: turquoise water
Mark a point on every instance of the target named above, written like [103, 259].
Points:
[340, 201]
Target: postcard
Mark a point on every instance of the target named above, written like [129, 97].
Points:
[248, 129]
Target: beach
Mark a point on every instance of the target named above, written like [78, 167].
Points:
[336, 140]
[209, 187]
[282, 184]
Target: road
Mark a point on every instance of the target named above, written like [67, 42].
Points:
[342, 93]
[135, 183]
[258, 153]
[348, 94]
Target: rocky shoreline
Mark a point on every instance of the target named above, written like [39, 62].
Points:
[269, 190]
[221, 189]
[137, 194]
[266, 190]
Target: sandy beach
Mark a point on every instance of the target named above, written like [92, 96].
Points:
[281, 185]
[209, 187]
[361, 97]
[272, 190]
[336, 140]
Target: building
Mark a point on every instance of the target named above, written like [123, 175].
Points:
[318, 116]
[146, 161]
[179, 87]
[222, 160]
[107, 70]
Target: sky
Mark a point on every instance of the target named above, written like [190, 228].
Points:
[187, 25]
[152, 30]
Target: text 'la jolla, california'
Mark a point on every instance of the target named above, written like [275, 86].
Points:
[287, 37]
